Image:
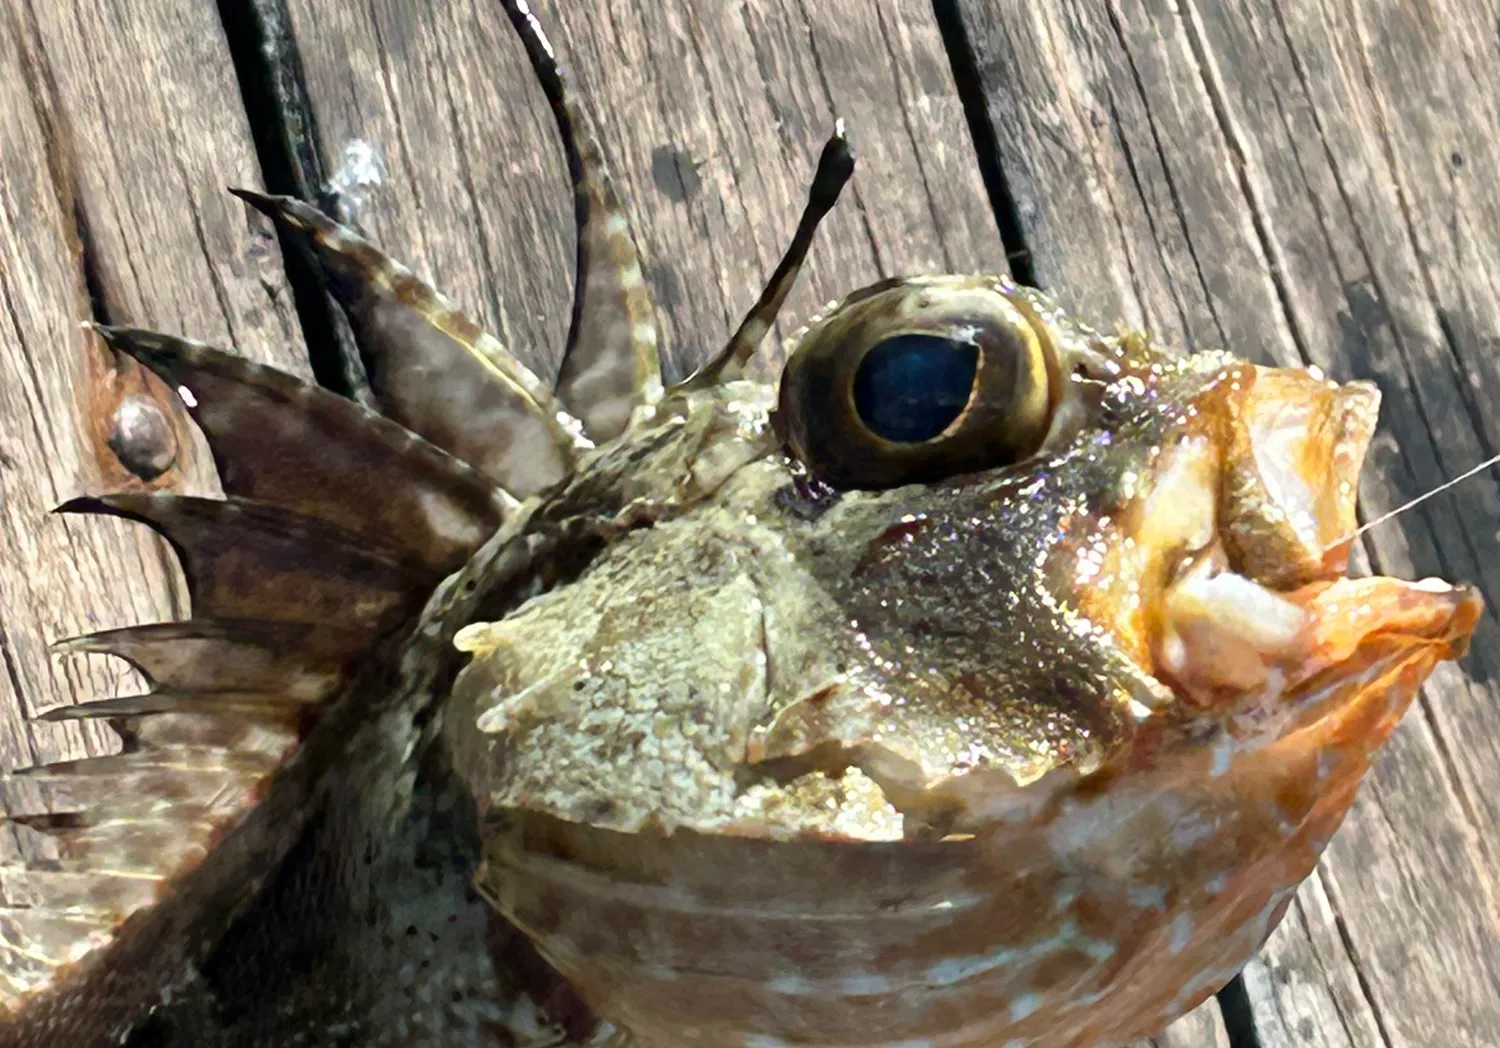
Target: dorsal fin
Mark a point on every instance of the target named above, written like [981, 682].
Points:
[260, 703]
[338, 527]
[292, 659]
[610, 365]
[433, 369]
[279, 440]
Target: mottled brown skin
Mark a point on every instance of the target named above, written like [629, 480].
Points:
[756, 761]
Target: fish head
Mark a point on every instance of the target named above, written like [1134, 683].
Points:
[990, 671]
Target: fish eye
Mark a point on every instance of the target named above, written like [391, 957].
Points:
[914, 381]
[909, 389]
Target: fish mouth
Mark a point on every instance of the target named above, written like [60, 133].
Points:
[1263, 606]
[1227, 637]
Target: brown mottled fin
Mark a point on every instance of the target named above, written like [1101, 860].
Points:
[172, 701]
[117, 872]
[93, 842]
[279, 440]
[433, 369]
[611, 365]
[144, 812]
[297, 662]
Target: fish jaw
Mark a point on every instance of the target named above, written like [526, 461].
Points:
[1287, 500]
[1197, 839]
[1081, 910]
[1241, 546]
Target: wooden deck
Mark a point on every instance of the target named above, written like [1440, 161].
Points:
[1308, 181]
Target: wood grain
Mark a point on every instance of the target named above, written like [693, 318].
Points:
[1301, 182]
[1203, 1027]
[712, 116]
[119, 126]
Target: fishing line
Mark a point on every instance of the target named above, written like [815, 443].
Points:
[1444, 486]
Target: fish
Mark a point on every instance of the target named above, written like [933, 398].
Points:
[985, 679]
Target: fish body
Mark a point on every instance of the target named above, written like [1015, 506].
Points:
[985, 680]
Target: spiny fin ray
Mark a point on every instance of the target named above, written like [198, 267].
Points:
[290, 659]
[246, 559]
[89, 844]
[835, 168]
[611, 364]
[338, 526]
[433, 369]
[279, 440]
[166, 701]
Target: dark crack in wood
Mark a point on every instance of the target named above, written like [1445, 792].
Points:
[284, 131]
[970, 89]
[1239, 1020]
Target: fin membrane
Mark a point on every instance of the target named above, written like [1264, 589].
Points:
[433, 369]
[252, 560]
[95, 841]
[214, 656]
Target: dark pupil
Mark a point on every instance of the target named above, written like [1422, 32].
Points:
[910, 388]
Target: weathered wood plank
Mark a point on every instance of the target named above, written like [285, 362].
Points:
[1304, 988]
[1295, 181]
[119, 126]
[1203, 1027]
[711, 115]
[146, 114]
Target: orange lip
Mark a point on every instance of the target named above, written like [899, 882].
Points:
[1363, 632]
